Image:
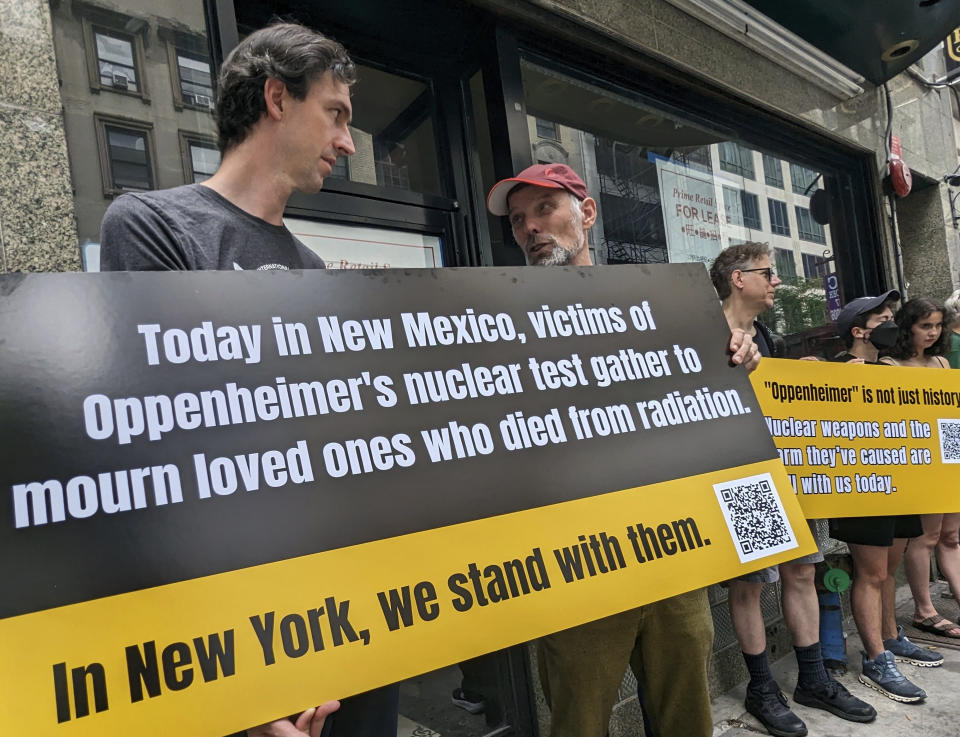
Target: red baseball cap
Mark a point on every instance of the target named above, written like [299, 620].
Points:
[551, 176]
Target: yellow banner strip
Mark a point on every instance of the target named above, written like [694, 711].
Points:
[221, 653]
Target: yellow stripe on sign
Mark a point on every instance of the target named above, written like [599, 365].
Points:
[217, 654]
[860, 440]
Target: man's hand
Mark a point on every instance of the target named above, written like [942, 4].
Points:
[744, 350]
[310, 722]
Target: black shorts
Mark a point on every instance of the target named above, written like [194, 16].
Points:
[879, 531]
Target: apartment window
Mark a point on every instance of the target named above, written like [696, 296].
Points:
[813, 266]
[779, 224]
[783, 260]
[803, 180]
[114, 57]
[547, 129]
[200, 157]
[194, 80]
[116, 63]
[772, 172]
[126, 154]
[736, 159]
[809, 229]
[742, 208]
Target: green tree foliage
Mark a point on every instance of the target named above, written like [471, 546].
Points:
[800, 304]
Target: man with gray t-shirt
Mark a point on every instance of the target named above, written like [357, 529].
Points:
[283, 111]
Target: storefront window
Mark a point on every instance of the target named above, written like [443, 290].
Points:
[393, 132]
[671, 189]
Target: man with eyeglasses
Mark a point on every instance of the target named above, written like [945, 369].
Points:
[745, 282]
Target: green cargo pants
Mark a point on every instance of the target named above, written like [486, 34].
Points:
[667, 644]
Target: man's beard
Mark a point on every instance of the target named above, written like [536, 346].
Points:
[559, 255]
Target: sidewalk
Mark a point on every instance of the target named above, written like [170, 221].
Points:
[938, 715]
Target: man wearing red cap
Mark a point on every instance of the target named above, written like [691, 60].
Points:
[667, 643]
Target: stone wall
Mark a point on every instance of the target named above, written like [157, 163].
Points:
[37, 226]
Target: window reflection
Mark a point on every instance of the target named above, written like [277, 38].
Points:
[673, 190]
[393, 134]
[137, 91]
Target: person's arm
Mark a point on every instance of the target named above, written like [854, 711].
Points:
[310, 722]
[136, 237]
[744, 350]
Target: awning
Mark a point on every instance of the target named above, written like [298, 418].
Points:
[876, 38]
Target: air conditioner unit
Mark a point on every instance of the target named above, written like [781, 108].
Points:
[203, 100]
[120, 81]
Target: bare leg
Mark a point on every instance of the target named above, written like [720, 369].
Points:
[917, 564]
[948, 551]
[747, 617]
[801, 608]
[870, 573]
[889, 591]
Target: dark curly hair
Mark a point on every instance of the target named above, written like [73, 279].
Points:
[290, 52]
[733, 258]
[907, 316]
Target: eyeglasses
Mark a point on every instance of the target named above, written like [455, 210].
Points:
[768, 273]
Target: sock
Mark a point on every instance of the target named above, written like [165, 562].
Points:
[810, 668]
[759, 669]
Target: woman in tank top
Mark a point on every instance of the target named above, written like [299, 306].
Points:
[920, 344]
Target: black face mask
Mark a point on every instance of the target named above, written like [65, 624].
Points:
[884, 335]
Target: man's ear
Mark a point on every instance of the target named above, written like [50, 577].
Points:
[736, 279]
[273, 93]
[589, 207]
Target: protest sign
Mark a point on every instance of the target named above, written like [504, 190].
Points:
[230, 496]
[860, 440]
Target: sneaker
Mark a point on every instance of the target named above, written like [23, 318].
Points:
[468, 701]
[907, 652]
[769, 705]
[832, 696]
[881, 674]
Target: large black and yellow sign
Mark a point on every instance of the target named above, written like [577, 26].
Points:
[861, 440]
[230, 496]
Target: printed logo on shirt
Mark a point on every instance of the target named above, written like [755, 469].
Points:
[264, 267]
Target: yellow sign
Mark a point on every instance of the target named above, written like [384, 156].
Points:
[860, 440]
[279, 637]
[952, 44]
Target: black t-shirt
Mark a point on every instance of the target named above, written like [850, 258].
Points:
[192, 228]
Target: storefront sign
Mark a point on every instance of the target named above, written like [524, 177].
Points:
[691, 217]
[831, 287]
[359, 247]
[860, 440]
[231, 496]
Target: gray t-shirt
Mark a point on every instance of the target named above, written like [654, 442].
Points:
[193, 228]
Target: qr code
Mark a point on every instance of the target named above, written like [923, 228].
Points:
[755, 517]
[950, 440]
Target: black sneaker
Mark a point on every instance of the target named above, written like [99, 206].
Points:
[832, 696]
[769, 705]
[468, 701]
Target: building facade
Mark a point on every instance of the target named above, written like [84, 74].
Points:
[690, 137]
